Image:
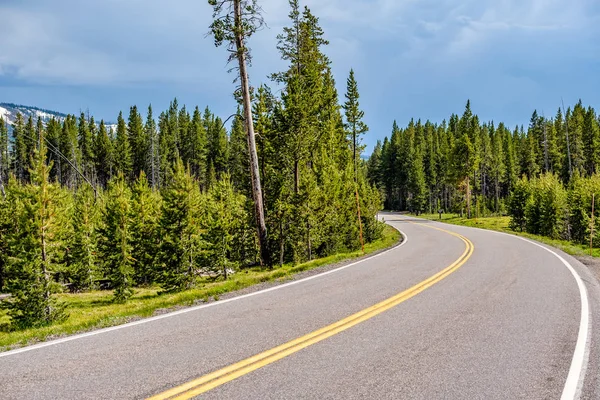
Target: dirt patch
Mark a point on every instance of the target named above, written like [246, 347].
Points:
[593, 263]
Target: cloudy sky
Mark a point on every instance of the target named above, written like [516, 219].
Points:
[412, 58]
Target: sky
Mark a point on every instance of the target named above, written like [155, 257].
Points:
[412, 58]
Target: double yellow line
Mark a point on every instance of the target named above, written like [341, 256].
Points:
[224, 375]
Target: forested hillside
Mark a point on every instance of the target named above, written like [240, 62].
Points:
[542, 175]
[166, 197]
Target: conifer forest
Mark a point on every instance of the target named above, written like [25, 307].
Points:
[542, 175]
[168, 196]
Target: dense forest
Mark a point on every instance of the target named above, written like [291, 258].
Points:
[543, 175]
[165, 200]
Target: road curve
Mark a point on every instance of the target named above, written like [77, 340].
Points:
[503, 322]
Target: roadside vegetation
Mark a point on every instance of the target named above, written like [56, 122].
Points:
[502, 224]
[96, 309]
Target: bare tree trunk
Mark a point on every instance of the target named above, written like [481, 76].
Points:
[254, 171]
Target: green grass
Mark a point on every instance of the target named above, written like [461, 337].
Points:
[501, 224]
[95, 309]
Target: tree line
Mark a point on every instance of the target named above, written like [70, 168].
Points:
[465, 165]
[542, 175]
[170, 200]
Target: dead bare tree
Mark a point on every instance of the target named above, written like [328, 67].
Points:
[234, 21]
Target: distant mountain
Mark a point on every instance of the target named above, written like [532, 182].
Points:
[9, 112]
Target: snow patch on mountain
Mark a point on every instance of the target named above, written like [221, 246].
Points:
[9, 111]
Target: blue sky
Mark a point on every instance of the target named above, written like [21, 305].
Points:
[412, 58]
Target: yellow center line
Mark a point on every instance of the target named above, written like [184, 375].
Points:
[210, 381]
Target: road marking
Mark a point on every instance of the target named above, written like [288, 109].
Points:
[576, 376]
[575, 379]
[195, 308]
[229, 373]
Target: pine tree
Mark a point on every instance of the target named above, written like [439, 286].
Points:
[85, 138]
[53, 137]
[84, 241]
[7, 212]
[122, 149]
[103, 156]
[354, 115]
[181, 231]
[199, 147]
[238, 157]
[138, 143]
[225, 221]
[153, 157]
[115, 238]
[497, 165]
[374, 166]
[30, 138]
[218, 153]
[145, 213]
[464, 157]
[20, 154]
[510, 161]
[4, 157]
[591, 141]
[34, 249]
[70, 149]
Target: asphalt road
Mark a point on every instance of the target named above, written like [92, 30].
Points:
[505, 322]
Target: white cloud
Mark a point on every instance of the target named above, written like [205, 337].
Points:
[123, 42]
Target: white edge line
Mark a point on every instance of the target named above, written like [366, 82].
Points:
[575, 379]
[195, 308]
[576, 376]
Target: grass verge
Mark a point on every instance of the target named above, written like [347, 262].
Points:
[501, 224]
[95, 309]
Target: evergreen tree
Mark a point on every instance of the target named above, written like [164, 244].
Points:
[374, 166]
[497, 163]
[122, 149]
[198, 147]
[53, 137]
[145, 213]
[225, 221]
[115, 238]
[20, 154]
[4, 157]
[591, 142]
[85, 139]
[354, 124]
[464, 154]
[69, 147]
[84, 240]
[35, 249]
[218, 151]
[238, 157]
[181, 230]
[103, 156]
[153, 157]
[138, 142]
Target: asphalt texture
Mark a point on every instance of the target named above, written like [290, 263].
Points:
[503, 326]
